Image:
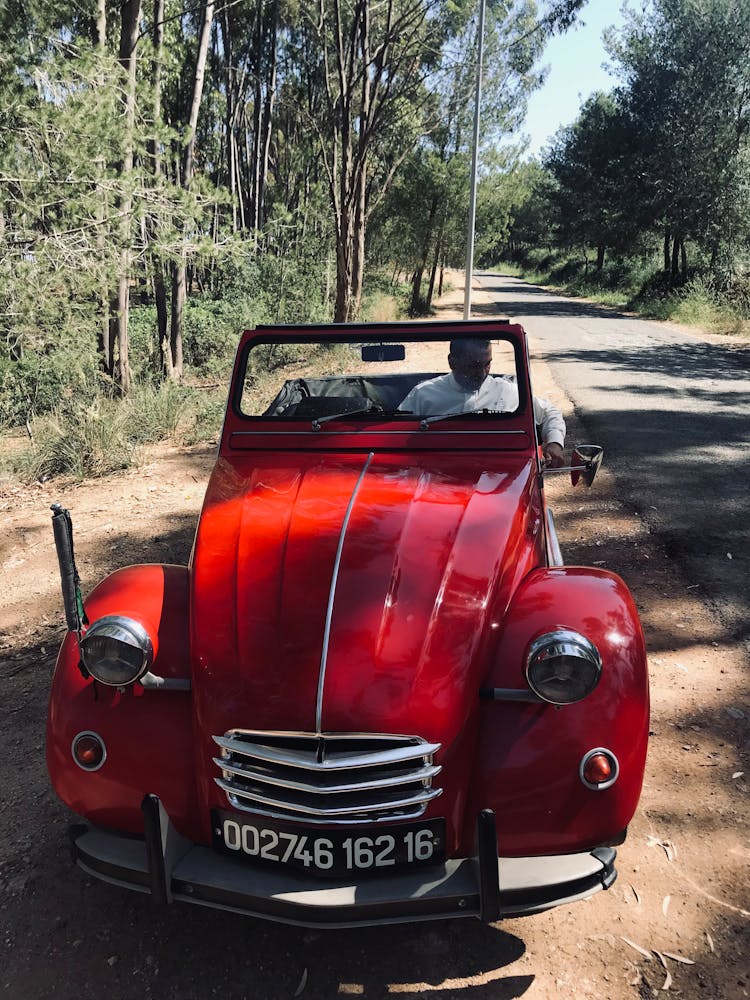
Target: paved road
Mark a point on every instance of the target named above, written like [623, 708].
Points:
[672, 411]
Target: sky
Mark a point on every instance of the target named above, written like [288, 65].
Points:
[575, 71]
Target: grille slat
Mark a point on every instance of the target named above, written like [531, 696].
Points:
[334, 778]
[301, 811]
[337, 760]
[328, 788]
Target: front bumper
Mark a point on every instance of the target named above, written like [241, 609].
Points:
[487, 887]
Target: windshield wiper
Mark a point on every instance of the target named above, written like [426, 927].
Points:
[425, 422]
[335, 416]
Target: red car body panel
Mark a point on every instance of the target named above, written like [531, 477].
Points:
[537, 795]
[367, 578]
[149, 736]
[403, 627]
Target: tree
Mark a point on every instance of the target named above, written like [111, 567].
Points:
[436, 208]
[532, 223]
[589, 160]
[686, 92]
[371, 60]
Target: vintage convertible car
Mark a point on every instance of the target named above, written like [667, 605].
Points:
[375, 693]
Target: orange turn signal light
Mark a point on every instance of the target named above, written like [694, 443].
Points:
[598, 769]
[89, 751]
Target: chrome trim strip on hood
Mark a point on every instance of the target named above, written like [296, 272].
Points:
[332, 594]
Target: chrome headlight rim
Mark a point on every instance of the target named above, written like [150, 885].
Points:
[558, 643]
[123, 629]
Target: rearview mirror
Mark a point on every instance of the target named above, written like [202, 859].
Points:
[383, 352]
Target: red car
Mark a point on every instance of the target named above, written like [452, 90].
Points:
[375, 693]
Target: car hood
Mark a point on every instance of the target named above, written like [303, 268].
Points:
[355, 593]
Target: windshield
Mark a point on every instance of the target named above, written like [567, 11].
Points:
[284, 379]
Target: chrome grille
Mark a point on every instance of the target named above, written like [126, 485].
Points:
[333, 778]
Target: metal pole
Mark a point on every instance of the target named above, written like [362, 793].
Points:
[474, 164]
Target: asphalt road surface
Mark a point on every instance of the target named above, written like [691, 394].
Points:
[672, 409]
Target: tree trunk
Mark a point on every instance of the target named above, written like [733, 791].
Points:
[667, 251]
[131, 16]
[179, 293]
[230, 145]
[257, 117]
[417, 305]
[101, 26]
[343, 308]
[683, 261]
[104, 336]
[160, 288]
[106, 332]
[600, 251]
[267, 116]
[675, 265]
[123, 376]
[358, 241]
[162, 318]
[435, 262]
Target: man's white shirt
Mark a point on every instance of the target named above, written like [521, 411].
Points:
[444, 395]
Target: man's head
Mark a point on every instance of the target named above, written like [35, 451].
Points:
[470, 362]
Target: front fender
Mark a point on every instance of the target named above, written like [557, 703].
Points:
[528, 755]
[147, 733]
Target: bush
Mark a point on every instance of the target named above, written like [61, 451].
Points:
[156, 414]
[207, 417]
[382, 300]
[88, 440]
[79, 441]
[36, 383]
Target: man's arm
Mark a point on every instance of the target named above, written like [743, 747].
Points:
[551, 421]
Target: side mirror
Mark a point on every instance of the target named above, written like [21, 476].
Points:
[585, 462]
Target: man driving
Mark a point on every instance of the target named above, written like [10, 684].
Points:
[469, 388]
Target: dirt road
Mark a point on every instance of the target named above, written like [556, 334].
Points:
[677, 921]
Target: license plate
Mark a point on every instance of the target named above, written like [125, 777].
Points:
[331, 852]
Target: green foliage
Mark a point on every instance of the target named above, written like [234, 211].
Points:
[80, 441]
[155, 414]
[208, 414]
[646, 196]
[588, 161]
[384, 300]
[636, 283]
[35, 383]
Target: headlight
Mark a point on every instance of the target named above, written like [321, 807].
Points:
[563, 667]
[116, 650]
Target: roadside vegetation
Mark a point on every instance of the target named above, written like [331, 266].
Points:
[634, 285]
[644, 201]
[170, 175]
